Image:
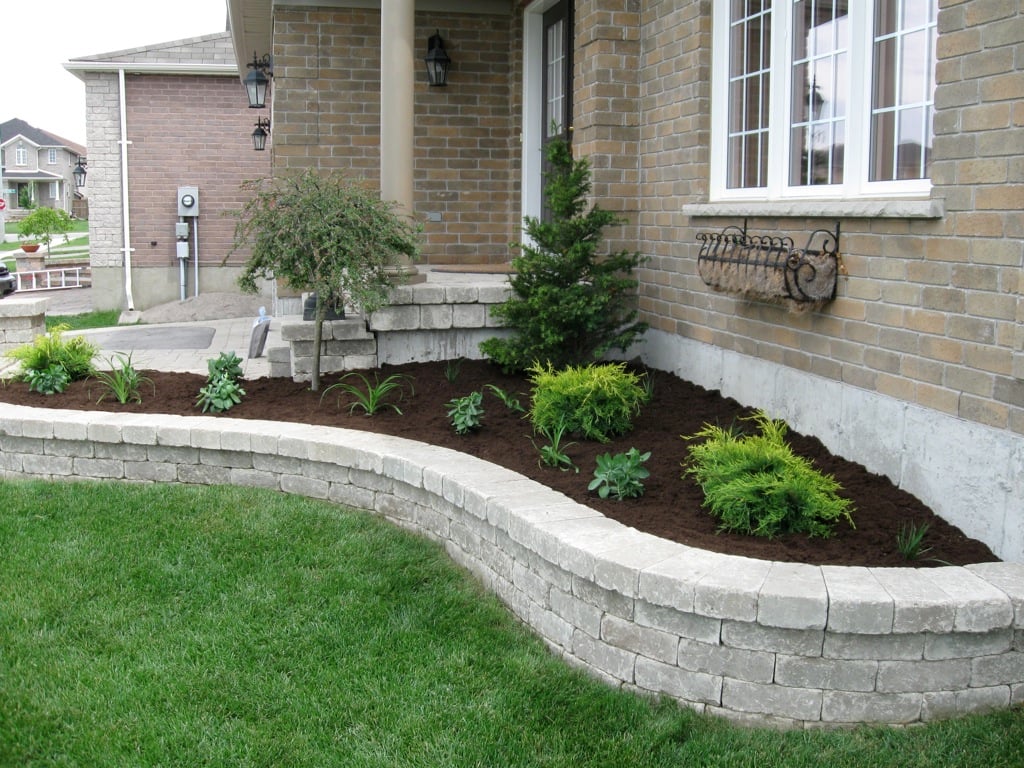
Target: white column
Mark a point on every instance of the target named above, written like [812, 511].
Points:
[397, 73]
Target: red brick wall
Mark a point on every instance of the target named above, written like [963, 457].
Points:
[188, 130]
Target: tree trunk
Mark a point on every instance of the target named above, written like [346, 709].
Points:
[318, 334]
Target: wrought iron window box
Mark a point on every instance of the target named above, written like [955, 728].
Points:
[769, 267]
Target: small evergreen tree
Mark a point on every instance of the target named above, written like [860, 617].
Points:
[322, 233]
[569, 305]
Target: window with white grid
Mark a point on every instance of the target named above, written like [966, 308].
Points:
[821, 99]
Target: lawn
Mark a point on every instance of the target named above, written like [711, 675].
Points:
[182, 626]
[79, 227]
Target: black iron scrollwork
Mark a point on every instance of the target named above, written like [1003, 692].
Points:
[769, 266]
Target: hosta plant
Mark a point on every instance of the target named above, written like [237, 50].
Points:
[47, 381]
[221, 393]
[466, 412]
[755, 484]
[593, 401]
[620, 475]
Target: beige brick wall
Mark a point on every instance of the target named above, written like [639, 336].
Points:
[327, 72]
[929, 310]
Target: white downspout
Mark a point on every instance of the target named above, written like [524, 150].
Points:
[125, 221]
[195, 253]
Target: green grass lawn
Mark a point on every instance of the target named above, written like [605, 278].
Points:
[79, 227]
[185, 626]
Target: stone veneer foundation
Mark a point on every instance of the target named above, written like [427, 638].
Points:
[759, 642]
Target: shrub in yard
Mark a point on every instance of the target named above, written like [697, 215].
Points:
[73, 356]
[755, 484]
[593, 401]
[569, 304]
[222, 391]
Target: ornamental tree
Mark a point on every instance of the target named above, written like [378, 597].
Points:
[43, 224]
[321, 232]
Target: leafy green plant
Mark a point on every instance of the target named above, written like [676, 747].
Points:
[221, 393]
[553, 453]
[621, 475]
[371, 398]
[74, 355]
[452, 369]
[509, 400]
[466, 412]
[122, 381]
[569, 305]
[322, 233]
[594, 401]
[755, 484]
[227, 364]
[48, 381]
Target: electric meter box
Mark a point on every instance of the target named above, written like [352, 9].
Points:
[181, 230]
[188, 201]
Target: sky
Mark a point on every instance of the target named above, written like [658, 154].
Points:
[38, 36]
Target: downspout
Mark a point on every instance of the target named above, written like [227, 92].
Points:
[125, 221]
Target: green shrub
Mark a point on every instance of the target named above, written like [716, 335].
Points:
[621, 475]
[755, 484]
[74, 355]
[569, 304]
[222, 391]
[593, 401]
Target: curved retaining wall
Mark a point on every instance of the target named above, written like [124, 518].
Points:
[757, 641]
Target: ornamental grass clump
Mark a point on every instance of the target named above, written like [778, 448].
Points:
[754, 483]
[595, 402]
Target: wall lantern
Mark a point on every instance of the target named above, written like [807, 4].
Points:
[259, 136]
[437, 61]
[257, 81]
[79, 174]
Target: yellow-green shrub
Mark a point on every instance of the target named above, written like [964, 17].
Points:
[594, 401]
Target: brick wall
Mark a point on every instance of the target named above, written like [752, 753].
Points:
[930, 309]
[184, 130]
[327, 115]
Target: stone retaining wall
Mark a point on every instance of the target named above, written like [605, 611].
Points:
[422, 322]
[760, 642]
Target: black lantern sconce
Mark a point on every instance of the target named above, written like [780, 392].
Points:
[258, 80]
[437, 60]
[259, 136]
[79, 173]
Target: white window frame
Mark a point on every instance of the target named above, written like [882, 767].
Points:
[54, 190]
[20, 155]
[855, 185]
[51, 156]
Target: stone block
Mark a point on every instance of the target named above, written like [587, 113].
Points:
[469, 316]
[428, 293]
[721, 660]
[919, 605]
[1008, 577]
[920, 676]
[112, 469]
[963, 645]
[851, 646]
[776, 700]
[793, 596]
[731, 590]
[680, 623]
[644, 641]
[613, 661]
[437, 317]
[827, 674]
[150, 472]
[252, 479]
[117, 451]
[1002, 669]
[796, 642]
[47, 466]
[684, 684]
[856, 601]
[396, 318]
[980, 607]
[203, 474]
[579, 613]
[496, 293]
[75, 448]
[552, 627]
[462, 294]
[301, 485]
[854, 707]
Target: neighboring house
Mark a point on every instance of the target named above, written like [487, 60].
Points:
[159, 118]
[37, 169]
[900, 121]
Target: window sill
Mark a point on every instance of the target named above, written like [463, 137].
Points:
[830, 209]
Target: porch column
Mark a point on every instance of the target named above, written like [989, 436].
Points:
[397, 68]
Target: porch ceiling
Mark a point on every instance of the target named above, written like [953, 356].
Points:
[251, 24]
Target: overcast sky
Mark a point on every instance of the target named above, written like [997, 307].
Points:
[38, 36]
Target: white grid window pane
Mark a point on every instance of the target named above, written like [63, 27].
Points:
[749, 88]
[553, 122]
[903, 89]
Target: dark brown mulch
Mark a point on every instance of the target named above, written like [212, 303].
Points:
[671, 505]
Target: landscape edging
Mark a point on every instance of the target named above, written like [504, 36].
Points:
[759, 642]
